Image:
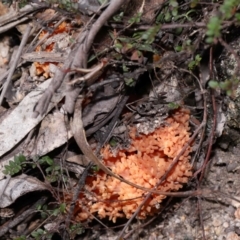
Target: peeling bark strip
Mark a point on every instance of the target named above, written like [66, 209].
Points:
[44, 57]
[77, 58]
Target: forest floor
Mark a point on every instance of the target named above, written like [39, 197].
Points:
[119, 120]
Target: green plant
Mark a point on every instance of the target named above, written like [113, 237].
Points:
[173, 105]
[68, 5]
[40, 233]
[95, 168]
[53, 171]
[194, 63]
[185, 15]
[76, 229]
[237, 16]
[169, 12]
[113, 142]
[22, 3]
[149, 35]
[194, 3]
[227, 8]
[135, 19]
[46, 212]
[228, 85]
[118, 17]
[226, 11]
[19, 163]
[140, 41]
[213, 29]
[186, 45]
[174, 7]
[21, 238]
[15, 166]
[102, 1]
[128, 80]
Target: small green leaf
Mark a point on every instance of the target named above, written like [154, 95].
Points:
[178, 48]
[209, 40]
[118, 17]
[229, 92]
[129, 82]
[39, 207]
[55, 212]
[102, 1]
[227, 8]
[38, 233]
[118, 46]
[188, 42]
[7, 167]
[44, 215]
[113, 142]
[214, 27]
[77, 228]
[173, 3]
[21, 158]
[167, 17]
[128, 46]
[46, 159]
[125, 68]
[62, 207]
[95, 168]
[34, 165]
[11, 164]
[135, 19]
[237, 16]
[194, 3]
[49, 169]
[178, 31]
[175, 12]
[160, 17]
[150, 34]
[191, 65]
[198, 58]
[44, 207]
[147, 48]
[213, 84]
[49, 236]
[226, 85]
[20, 238]
[124, 40]
[51, 179]
[173, 105]
[56, 168]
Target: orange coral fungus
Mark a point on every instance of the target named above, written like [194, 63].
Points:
[43, 68]
[143, 163]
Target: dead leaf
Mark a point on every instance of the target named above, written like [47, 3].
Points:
[19, 186]
[3, 9]
[20, 122]
[53, 133]
[46, 16]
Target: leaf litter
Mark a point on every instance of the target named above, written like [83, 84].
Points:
[158, 57]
